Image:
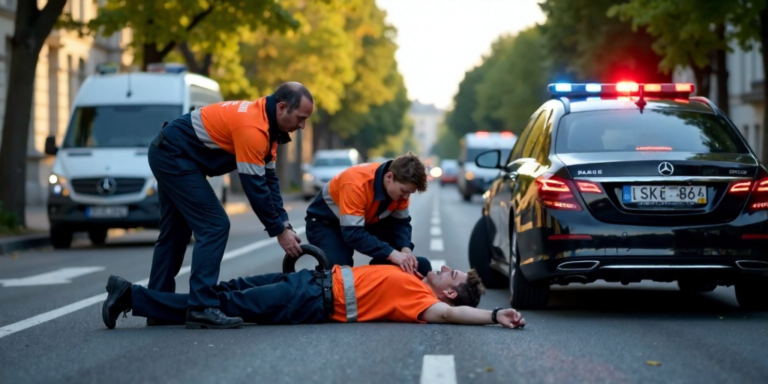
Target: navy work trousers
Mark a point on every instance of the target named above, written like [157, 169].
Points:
[188, 205]
[275, 298]
[328, 237]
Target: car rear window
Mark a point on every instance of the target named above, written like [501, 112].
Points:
[652, 130]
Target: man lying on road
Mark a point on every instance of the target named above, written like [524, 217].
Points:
[359, 294]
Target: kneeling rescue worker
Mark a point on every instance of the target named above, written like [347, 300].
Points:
[210, 141]
[365, 209]
[344, 294]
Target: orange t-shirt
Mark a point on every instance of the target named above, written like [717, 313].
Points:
[384, 292]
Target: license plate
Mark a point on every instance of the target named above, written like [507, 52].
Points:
[106, 212]
[664, 195]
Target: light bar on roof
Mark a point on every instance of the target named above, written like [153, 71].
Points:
[622, 89]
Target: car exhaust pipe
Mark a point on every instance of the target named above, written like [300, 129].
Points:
[753, 265]
[585, 265]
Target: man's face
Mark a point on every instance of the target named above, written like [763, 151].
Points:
[296, 119]
[398, 191]
[444, 281]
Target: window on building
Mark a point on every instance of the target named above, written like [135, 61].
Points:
[82, 10]
[81, 72]
[71, 85]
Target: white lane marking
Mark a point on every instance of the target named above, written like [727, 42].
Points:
[436, 245]
[61, 276]
[435, 221]
[59, 312]
[438, 369]
[435, 231]
[437, 264]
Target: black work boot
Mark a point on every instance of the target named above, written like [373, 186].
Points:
[118, 300]
[211, 318]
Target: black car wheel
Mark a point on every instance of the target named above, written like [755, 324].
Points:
[751, 294]
[526, 295]
[480, 256]
[61, 238]
[98, 236]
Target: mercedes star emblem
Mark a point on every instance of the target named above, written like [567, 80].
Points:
[106, 186]
[666, 169]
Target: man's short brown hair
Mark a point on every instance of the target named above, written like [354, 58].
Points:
[409, 169]
[469, 293]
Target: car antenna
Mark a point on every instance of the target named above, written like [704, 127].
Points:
[129, 86]
[641, 101]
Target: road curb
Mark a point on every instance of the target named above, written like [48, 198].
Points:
[22, 243]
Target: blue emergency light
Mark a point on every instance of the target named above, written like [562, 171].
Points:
[621, 89]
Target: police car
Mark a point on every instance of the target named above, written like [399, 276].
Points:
[623, 183]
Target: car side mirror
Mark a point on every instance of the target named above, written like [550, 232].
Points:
[489, 159]
[50, 146]
[515, 165]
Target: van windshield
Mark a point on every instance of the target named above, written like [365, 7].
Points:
[118, 126]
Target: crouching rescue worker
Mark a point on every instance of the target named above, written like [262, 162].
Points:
[365, 209]
[214, 140]
[347, 295]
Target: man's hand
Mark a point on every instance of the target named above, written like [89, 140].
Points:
[407, 262]
[289, 241]
[510, 318]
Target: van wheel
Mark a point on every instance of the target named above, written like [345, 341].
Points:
[98, 236]
[751, 294]
[61, 238]
[466, 197]
[480, 256]
[524, 294]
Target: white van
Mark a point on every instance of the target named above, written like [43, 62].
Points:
[327, 163]
[471, 179]
[101, 177]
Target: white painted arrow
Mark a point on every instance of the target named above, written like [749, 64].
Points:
[61, 276]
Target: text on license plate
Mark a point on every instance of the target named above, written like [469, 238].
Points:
[663, 194]
[114, 211]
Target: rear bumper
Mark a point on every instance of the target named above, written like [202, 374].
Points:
[634, 253]
[62, 211]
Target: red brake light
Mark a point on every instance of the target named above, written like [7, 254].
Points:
[759, 199]
[684, 87]
[506, 134]
[741, 186]
[588, 187]
[556, 193]
[482, 133]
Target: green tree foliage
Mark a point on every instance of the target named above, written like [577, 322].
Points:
[585, 44]
[160, 26]
[513, 87]
[501, 93]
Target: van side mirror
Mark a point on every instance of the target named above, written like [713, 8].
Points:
[489, 159]
[50, 146]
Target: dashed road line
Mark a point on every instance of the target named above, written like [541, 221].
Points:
[438, 369]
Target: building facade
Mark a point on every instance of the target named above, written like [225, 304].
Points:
[65, 61]
[426, 119]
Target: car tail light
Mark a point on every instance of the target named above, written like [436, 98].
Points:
[740, 187]
[759, 199]
[754, 237]
[556, 193]
[588, 187]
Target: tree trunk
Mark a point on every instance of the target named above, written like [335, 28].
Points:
[703, 79]
[764, 51]
[321, 132]
[203, 68]
[32, 28]
[151, 55]
[722, 74]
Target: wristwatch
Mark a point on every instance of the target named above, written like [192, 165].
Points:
[493, 314]
[289, 226]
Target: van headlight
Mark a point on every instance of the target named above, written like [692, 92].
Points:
[58, 185]
[308, 177]
[153, 188]
[469, 175]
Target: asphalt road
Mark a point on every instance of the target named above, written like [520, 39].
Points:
[600, 333]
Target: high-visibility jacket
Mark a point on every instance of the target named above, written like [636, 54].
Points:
[356, 198]
[240, 135]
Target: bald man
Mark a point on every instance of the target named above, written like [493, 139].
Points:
[211, 141]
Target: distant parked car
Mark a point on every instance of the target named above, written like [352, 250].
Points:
[326, 165]
[450, 170]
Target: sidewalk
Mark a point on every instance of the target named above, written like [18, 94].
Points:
[38, 226]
